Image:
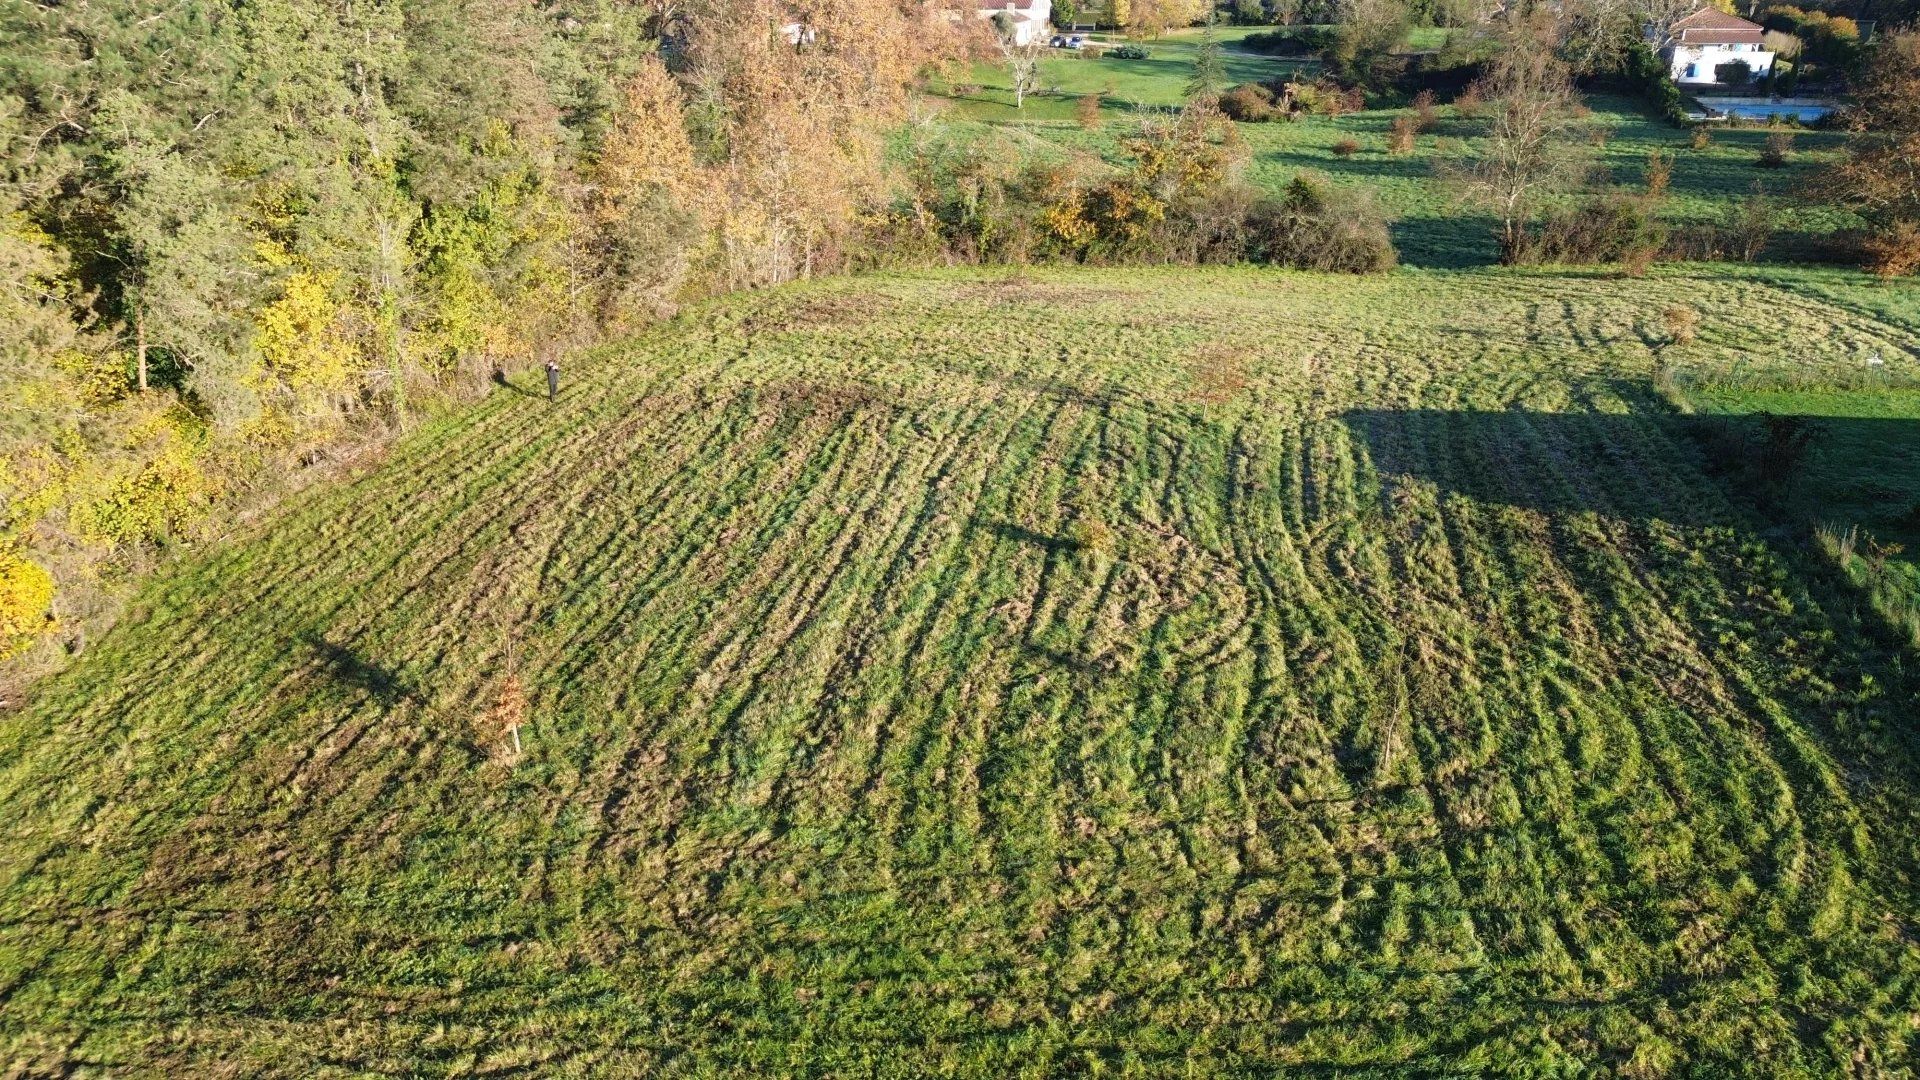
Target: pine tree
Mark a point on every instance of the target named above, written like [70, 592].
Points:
[1209, 69]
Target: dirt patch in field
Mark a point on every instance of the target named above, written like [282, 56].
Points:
[816, 403]
[1217, 372]
[1022, 290]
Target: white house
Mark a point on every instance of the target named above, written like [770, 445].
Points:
[1031, 18]
[1697, 45]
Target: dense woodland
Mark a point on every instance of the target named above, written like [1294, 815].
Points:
[238, 237]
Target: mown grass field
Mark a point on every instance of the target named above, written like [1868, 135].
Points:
[1097, 672]
[1436, 227]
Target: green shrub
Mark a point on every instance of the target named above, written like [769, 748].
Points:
[1313, 225]
[1609, 229]
[1250, 103]
[1290, 40]
[1643, 71]
[1825, 38]
[1130, 52]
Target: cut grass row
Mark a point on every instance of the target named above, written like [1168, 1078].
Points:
[1155, 671]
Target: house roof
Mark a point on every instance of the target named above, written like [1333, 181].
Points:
[1710, 26]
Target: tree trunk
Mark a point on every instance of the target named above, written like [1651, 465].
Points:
[140, 348]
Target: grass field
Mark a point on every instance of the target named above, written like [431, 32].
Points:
[1435, 229]
[1156, 673]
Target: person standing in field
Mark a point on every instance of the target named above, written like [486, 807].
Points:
[553, 379]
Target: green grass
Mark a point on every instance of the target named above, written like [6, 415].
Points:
[1865, 458]
[1862, 466]
[1132, 86]
[1434, 228]
[1177, 672]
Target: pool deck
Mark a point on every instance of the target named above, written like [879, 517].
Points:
[1804, 110]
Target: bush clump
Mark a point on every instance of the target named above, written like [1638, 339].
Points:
[1470, 100]
[1086, 111]
[1313, 225]
[1251, 103]
[1744, 231]
[1682, 323]
[1130, 52]
[26, 597]
[1641, 71]
[1400, 135]
[1733, 73]
[1178, 200]
[1825, 39]
[1325, 97]
[1426, 117]
[1609, 229]
[1893, 251]
[1659, 172]
[1774, 153]
[1290, 40]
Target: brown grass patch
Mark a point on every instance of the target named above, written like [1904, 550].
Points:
[1217, 373]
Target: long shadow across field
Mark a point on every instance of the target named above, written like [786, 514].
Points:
[1732, 470]
[1724, 476]
[1618, 465]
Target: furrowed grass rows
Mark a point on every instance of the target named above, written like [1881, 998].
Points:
[1007, 675]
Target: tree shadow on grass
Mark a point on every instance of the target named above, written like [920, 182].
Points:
[1555, 463]
[1445, 242]
[1372, 164]
[1449, 237]
[500, 379]
[1020, 534]
[1689, 470]
[1740, 496]
[350, 669]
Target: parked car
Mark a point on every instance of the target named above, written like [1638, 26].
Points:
[1068, 41]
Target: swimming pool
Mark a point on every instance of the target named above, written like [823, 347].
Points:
[1805, 110]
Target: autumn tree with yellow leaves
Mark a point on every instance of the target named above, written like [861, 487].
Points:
[232, 239]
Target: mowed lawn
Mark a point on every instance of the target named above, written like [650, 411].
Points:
[1437, 225]
[1099, 672]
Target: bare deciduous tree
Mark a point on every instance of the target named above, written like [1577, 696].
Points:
[1880, 178]
[1594, 35]
[1527, 153]
[1022, 54]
